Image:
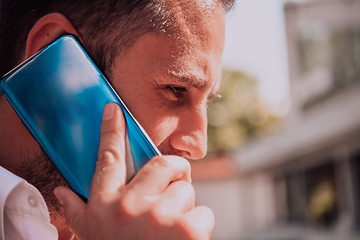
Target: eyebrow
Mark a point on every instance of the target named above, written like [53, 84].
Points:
[198, 82]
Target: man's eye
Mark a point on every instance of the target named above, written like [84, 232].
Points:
[177, 91]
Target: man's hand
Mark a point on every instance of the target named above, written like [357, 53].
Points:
[158, 203]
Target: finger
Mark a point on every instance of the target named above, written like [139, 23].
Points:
[74, 208]
[200, 221]
[179, 197]
[110, 172]
[155, 176]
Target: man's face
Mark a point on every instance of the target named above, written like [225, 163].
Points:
[166, 82]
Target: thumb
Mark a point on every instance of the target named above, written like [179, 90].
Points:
[74, 208]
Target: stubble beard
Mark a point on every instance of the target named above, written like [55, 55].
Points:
[42, 173]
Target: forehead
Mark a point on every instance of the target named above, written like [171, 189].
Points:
[196, 22]
[192, 49]
[198, 33]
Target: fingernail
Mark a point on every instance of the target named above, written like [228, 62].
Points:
[108, 112]
[56, 193]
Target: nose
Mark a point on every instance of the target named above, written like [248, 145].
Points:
[190, 135]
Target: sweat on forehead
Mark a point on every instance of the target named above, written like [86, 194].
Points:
[192, 23]
[191, 18]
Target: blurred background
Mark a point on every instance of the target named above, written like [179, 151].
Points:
[284, 138]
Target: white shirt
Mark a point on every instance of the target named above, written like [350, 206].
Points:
[23, 211]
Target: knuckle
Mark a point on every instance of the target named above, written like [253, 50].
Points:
[190, 229]
[122, 210]
[170, 161]
[155, 216]
[125, 207]
[191, 192]
[187, 163]
[182, 163]
[184, 187]
[160, 161]
[157, 211]
[159, 219]
[186, 231]
[107, 157]
[209, 213]
[154, 163]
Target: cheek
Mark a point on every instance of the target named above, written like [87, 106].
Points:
[153, 114]
[145, 103]
[16, 142]
[159, 125]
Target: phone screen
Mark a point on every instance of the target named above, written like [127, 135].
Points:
[60, 94]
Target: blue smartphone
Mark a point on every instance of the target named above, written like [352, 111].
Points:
[60, 94]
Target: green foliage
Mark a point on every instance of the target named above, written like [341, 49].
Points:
[238, 115]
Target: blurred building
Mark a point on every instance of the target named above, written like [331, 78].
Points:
[302, 183]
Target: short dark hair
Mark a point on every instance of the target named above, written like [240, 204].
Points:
[107, 26]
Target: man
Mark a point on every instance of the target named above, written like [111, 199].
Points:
[163, 58]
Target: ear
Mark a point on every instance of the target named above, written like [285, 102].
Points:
[46, 30]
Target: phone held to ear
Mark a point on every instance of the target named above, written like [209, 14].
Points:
[60, 94]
